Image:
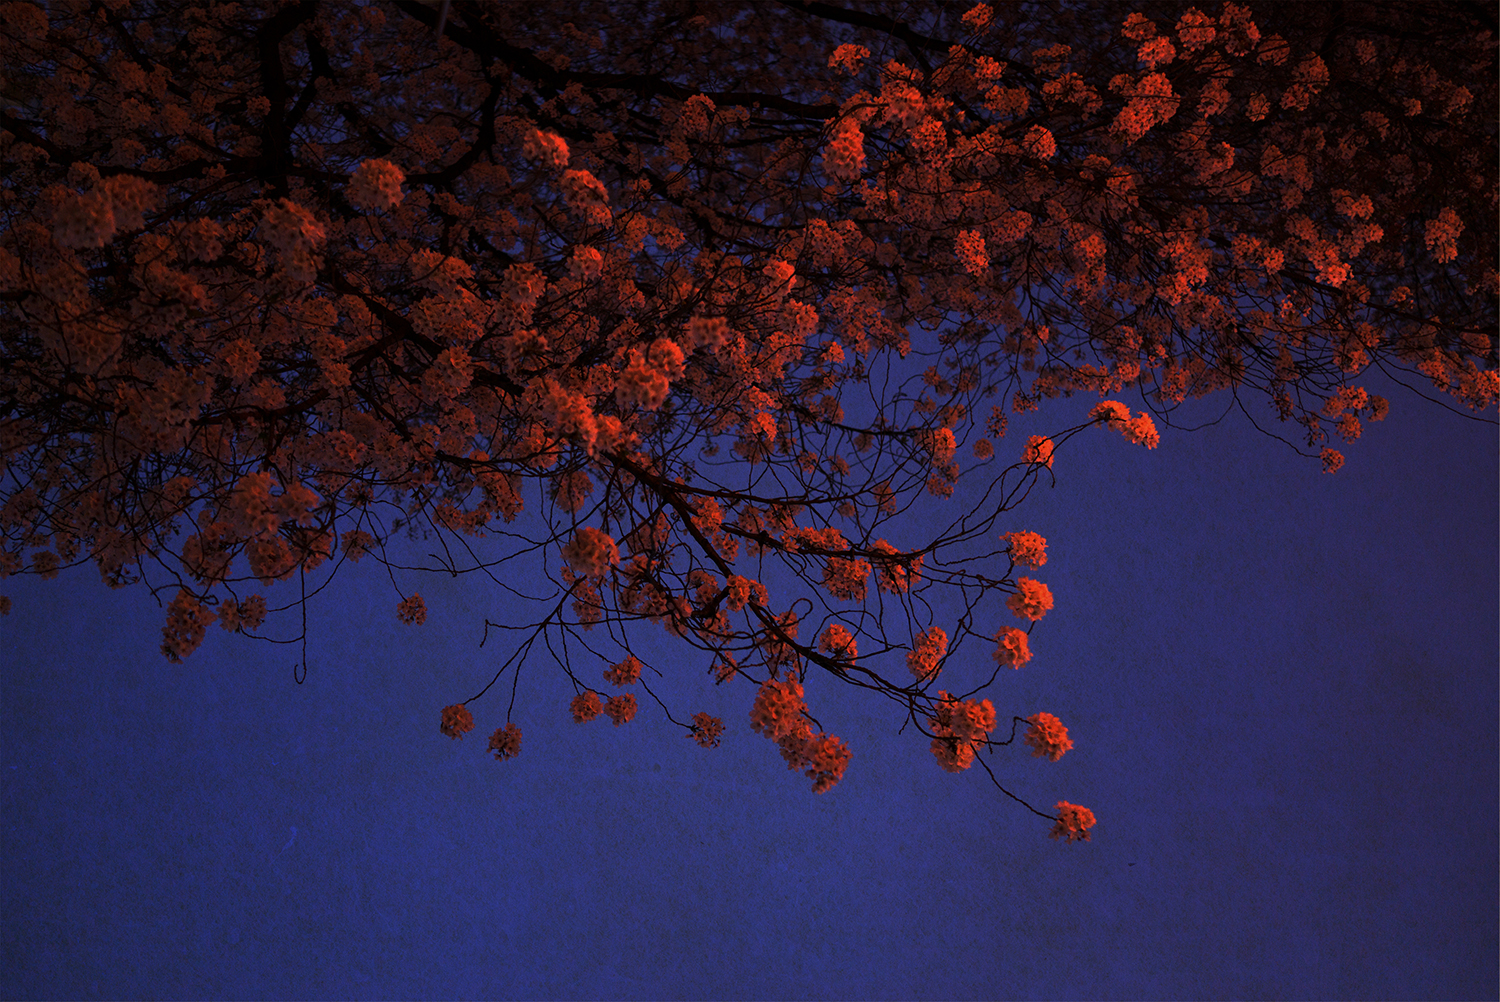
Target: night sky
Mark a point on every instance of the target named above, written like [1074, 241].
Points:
[1281, 685]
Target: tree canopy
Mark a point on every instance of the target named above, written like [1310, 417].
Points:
[719, 286]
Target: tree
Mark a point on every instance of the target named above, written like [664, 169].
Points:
[721, 282]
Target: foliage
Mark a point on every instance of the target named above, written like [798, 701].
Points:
[729, 282]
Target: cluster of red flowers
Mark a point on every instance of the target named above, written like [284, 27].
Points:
[412, 610]
[1032, 599]
[187, 621]
[457, 721]
[960, 728]
[621, 709]
[506, 742]
[1026, 548]
[1139, 429]
[1048, 737]
[591, 552]
[780, 714]
[706, 730]
[839, 642]
[585, 706]
[624, 673]
[1012, 647]
[926, 655]
[1073, 822]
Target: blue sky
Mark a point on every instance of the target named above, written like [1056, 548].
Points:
[1281, 687]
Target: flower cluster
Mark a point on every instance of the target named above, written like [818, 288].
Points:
[1026, 548]
[779, 714]
[959, 727]
[294, 234]
[1038, 450]
[130, 198]
[781, 276]
[643, 383]
[440, 273]
[92, 220]
[978, 17]
[84, 221]
[187, 623]
[1195, 29]
[356, 543]
[953, 756]
[586, 264]
[938, 443]
[1140, 429]
[506, 742]
[591, 552]
[449, 374]
[822, 757]
[457, 721]
[1151, 102]
[1073, 822]
[924, 660]
[412, 611]
[1111, 412]
[964, 719]
[846, 579]
[844, 156]
[696, 117]
[897, 572]
[1048, 737]
[1442, 235]
[708, 517]
[229, 615]
[625, 673]
[706, 730]
[585, 706]
[743, 591]
[1138, 27]
[570, 415]
[620, 709]
[1039, 143]
[725, 667]
[848, 58]
[570, 490]
[246, 615]
[777, 710]
[707, 332]
[547, 147]
[1031, 600]
[376, 185]
[839, 642]
[1156, 52]
[1012, 647]
[587, 196]
[971, 252]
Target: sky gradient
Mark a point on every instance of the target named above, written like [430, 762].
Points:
[1281, 685]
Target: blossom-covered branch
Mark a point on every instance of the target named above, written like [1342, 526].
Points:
[758, 285]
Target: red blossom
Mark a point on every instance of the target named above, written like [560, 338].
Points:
[624, 673]
[1073, 822]
[506, 742]
[1047, 737]
[412, 610]
[585, 707]
[706, 730]
[457, 721]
